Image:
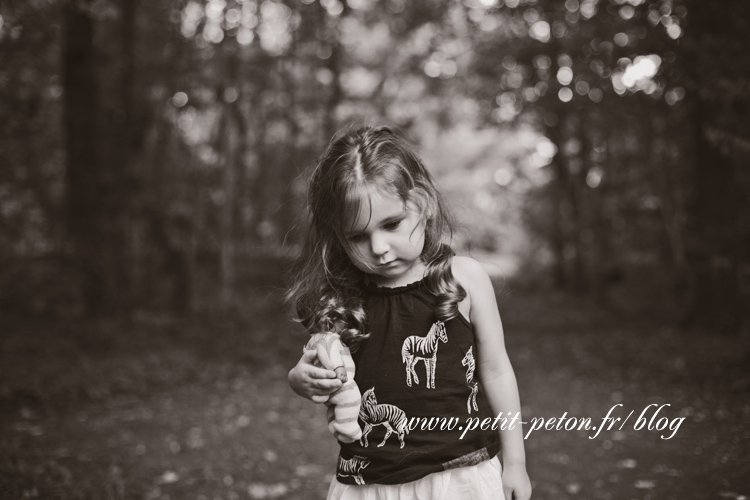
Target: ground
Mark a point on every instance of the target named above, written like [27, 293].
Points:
[198, 407]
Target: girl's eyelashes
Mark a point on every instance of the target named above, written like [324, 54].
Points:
[390, 226]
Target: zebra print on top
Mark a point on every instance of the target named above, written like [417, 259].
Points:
[411, 366]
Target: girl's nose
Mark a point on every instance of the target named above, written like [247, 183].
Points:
[378, 245]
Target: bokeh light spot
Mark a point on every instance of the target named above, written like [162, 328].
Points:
[588, 8]
[627, 12]
[540, 30]
[674, 31]
[448, 69]
[503, 177]
[432, 69]
[542, 62]
[215, 9]
[245, 36]
[231, 94]
[565, 75]
[324, 76]
[546, 148]
[596, 95]
[531, 15]
[179, 99]
[675, 95]
[594, 177]
[582, 87]
[564, 60]
[640, 73]
[621, 39]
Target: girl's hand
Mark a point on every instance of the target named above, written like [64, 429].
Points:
[516, 484]
[312, 382]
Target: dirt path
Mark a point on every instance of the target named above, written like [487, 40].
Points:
[197, 422]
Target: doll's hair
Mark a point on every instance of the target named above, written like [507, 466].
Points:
[326, 288]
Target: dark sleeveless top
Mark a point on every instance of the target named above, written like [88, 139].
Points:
[426, 408]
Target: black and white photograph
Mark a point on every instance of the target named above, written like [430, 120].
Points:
[375, 249]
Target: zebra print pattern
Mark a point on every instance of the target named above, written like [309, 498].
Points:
[391, 417]
[469, 363]
[353, 468]
[417, 348]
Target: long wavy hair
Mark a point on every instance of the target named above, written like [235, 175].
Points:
[325, 293]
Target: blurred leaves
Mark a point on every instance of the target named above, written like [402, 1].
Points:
[576, 138]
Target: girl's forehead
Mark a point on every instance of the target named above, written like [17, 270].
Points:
[373, 206]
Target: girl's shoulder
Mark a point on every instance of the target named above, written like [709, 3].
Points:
[472, 277]
[468, 272]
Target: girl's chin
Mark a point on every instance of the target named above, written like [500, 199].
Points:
[382, 277]
[394, 274]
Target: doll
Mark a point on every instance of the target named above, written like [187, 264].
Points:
[343, 405]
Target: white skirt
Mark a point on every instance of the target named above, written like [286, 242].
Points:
[477, 482]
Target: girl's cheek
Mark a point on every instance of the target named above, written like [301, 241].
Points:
[417, 232]
[357, 253]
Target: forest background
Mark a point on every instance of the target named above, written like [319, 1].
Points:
[153, 160]
[149, 148]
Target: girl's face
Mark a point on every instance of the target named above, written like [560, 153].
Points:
[386, 240]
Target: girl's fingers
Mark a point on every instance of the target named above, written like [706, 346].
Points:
[308, 357]
[327, 385]
[319, 353]
[320, 373]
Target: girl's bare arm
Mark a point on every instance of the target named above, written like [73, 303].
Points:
[495, 371]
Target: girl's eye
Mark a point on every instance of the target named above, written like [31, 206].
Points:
[356, 238]
[392, 225]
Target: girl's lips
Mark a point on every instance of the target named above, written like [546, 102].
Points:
[387, 264]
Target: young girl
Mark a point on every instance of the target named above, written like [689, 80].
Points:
[423, 327]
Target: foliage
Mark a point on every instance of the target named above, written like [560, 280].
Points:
[576, 137]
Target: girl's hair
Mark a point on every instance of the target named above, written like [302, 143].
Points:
[325, 293]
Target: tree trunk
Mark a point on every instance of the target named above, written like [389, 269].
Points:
[168, 255]
[230, 147]
[718, 233]
[570, 225]
[125, 185]
[715, 250]
[85, 186]
[333, 64]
